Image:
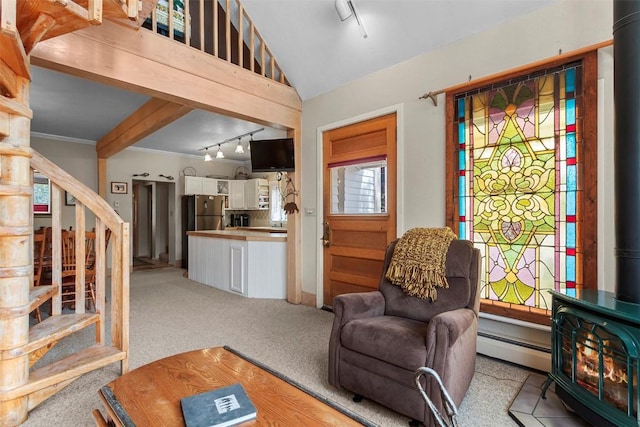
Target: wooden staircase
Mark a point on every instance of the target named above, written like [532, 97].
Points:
[26, 379]
[23, 383]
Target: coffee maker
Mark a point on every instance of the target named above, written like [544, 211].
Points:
[239, 220]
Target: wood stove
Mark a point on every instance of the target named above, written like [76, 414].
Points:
[596, 356]
[596, 335]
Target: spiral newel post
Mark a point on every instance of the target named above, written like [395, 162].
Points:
[16, 254]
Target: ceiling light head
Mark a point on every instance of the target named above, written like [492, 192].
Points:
[346, 9]
[219, 154]
[207, 156]
[343, 7]
[239, 147]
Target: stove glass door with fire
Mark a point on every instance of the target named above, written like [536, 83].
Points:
[595, 359]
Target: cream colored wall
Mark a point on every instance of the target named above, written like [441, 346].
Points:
[566, 26]
[79, 159]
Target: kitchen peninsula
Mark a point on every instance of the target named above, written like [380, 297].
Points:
[251, 262]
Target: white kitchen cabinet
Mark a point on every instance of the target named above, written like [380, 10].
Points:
[257, 194]
[192, 185]
[236, 195]
[200, 185]
[208, 187]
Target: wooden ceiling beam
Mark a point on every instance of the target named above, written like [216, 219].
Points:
[150, 117]
[153, 65]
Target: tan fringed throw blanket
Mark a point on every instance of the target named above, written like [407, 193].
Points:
[418, 261]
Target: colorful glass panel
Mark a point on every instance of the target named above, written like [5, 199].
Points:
[518, 186]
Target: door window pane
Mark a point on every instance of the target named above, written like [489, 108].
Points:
[359, 188]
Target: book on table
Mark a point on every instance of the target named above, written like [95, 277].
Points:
[224, 406]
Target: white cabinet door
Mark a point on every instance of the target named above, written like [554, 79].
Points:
[208, 186]
[192, 185]
[236, 195]
[237, 267]
[257, 194]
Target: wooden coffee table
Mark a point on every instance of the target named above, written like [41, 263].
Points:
[150, 395]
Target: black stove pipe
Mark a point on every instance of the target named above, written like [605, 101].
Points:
[626, 51]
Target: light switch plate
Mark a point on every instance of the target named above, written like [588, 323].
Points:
[309, 212]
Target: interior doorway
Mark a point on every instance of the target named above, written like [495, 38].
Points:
[152, 231]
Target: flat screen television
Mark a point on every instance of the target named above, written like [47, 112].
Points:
[271, 155]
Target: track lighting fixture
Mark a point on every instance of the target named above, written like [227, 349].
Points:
[239, 147]
[346, 9]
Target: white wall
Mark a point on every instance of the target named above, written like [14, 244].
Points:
[79, 159]
[566, 26]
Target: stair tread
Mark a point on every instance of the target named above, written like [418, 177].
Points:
[38, 291]
[13, 53]
[50, 330]
[39, 294]
[67, 368]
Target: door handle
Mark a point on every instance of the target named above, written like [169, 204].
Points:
[326, 234]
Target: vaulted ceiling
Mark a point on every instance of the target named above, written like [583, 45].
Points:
[317, 51]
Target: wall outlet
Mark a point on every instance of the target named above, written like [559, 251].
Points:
[309, 212]
[116, 203]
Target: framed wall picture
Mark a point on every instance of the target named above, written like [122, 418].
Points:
[69, 199]
[118, 187]
[41, 194]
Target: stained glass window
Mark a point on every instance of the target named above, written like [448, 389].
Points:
[518, 185]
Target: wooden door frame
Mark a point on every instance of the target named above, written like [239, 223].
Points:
[398, 109]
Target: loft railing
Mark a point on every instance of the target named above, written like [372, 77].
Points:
[221, 28]
[105, 218]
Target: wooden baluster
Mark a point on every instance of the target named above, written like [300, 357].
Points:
[216, 38]
[202, 21]
[187, 24]
[263, 67]
[227, 33]
[170, 19]
[252, 47]
[240, 35]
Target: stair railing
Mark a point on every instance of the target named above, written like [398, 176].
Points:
[224, 31]
[105, 218]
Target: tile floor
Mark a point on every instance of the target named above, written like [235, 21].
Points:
[528, 409]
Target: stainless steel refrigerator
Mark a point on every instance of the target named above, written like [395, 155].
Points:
[200, 213]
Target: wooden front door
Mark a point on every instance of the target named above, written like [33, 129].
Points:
[359, 204]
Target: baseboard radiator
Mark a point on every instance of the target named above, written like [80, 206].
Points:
[514, 341]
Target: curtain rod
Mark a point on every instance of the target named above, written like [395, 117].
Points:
[497, 76]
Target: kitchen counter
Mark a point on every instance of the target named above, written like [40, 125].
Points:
[247, 234]
[250, 263]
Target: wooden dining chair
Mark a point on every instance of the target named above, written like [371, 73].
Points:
[69, 268]
[38, 260]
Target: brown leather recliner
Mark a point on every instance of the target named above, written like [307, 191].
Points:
[380, 338]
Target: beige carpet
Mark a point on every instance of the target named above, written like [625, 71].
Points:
[171, 314]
